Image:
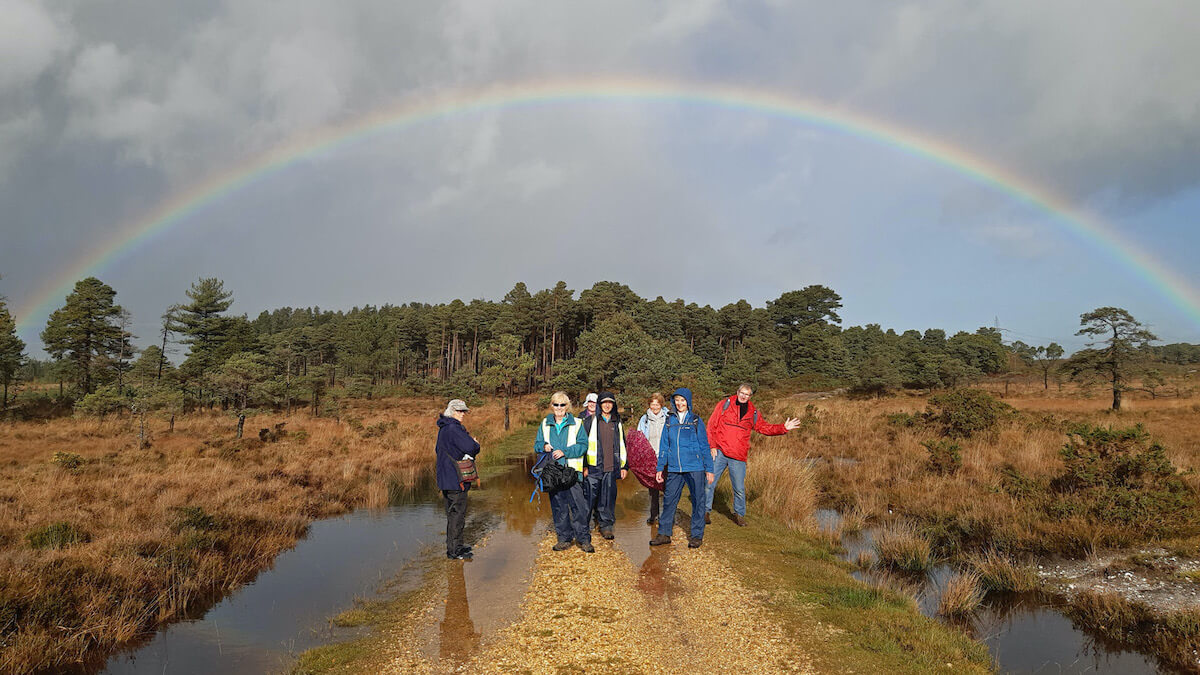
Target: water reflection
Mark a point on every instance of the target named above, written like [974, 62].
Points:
[458, 638]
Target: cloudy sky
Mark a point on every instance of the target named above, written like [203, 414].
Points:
[110, 110]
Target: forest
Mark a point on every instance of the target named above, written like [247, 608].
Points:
[205, 355]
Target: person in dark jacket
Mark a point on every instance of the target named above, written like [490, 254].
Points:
[683, 457]
[605, 459]
[454, 443]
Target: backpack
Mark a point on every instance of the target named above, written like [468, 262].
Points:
[549, 476]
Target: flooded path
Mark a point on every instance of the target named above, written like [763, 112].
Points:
[1025, 633]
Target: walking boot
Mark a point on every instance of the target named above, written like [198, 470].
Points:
[659, 540]
[738, 520]
[651, 520]
[562, 545]
[707, 518]
[587, 547]
[606, 532]
[695, 542]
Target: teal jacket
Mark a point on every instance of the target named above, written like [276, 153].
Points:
[560, 440]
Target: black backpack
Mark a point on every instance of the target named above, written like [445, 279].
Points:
[550, 476]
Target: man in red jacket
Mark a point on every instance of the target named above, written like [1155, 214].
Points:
[733, 420]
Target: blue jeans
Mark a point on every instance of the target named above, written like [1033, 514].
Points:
[737, 478]
[672, 491]
[570, 511]
[601, 491]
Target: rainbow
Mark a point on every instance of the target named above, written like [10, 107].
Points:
[417, 110]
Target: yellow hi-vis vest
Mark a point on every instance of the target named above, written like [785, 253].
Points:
[572, 433]
[591, 451]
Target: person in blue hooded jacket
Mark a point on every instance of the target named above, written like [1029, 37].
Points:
[683, 457]
[454, 443]
[557, 436]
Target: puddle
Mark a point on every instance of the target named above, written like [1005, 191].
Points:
[1024, 633]
[288, 608]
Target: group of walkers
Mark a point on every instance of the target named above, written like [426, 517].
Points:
[689, 452]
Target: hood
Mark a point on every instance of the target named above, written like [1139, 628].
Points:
[444, 420]
[607, 394]
[687, 396]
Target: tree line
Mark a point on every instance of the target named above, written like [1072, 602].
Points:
[605, 337]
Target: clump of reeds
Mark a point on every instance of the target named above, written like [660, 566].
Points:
[901, 547]
[1001, 573]
[961, 595]
[788, 491]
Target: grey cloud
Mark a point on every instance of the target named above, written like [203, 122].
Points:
[31, 38]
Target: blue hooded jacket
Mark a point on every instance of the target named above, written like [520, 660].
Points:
[453, 441]
[684, 445]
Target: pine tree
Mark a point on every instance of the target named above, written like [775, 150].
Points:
[11, 351]
[86, 332]
[1123, 342]
[203, 326]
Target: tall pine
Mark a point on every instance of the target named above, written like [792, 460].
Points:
[86, 334]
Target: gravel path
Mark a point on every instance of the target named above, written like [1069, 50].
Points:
[682, 611]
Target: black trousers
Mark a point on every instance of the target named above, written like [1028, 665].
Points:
[456, 516]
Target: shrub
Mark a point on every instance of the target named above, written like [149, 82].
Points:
[904, 420]
[1122, 476]
[1017, 485]
[901, 547]
[191, 518]
[965, 412]
[104, 401]
[945, 457]
[68, 461]
[56, 535]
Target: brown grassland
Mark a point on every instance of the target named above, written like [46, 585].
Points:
[101, 541]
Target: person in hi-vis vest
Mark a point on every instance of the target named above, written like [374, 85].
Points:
[558, 435]
[604, 461]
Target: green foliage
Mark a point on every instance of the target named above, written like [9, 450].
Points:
[1121, 349]
[12, 352]
[67, 461]
[504, 364]
[877, 376]
[1017, 485]
[56, 535]
[1122, 476]
[966, 412]
[192, 518]
[945, 457]
[104, 401]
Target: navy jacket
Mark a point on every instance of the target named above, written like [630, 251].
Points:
[453, 442]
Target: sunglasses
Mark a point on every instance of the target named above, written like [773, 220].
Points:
[559, 405]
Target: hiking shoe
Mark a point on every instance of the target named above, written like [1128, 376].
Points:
[707, 518]
[606, 532]
[587, 547]
[659, 540]
[695, 542]
[461, 555]
[738, 520]
[562, 545]
[651, 520]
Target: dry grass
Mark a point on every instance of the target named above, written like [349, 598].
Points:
[165, 530]
[1001, 573]
[881, 469]
[900, 546]
[962, 595]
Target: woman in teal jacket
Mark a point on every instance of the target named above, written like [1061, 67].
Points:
[557, 436]
[683, 457]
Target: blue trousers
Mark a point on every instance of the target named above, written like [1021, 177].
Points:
[737, 480]
[570, 510]
[673, 490]
[601, 491]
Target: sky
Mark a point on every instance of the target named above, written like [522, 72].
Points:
[111, 112]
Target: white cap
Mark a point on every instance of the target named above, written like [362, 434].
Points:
[591, 398]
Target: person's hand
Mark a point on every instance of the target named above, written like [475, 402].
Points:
[791, 423]
[658, 477]
[624, 472]
[546, 447]
[709, 475]
[557, 454]
[714, 454]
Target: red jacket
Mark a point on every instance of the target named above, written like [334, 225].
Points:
[732, 435]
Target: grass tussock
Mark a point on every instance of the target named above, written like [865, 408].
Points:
[788, 490]
[962, 594]
[999, 572]
[901, 547]
[102, 540]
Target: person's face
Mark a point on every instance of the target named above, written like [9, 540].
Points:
[559, 408]
[591, 407]
[655, 406]
[681, 404]
[606, 407]
[744, 395]
[459, 414]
